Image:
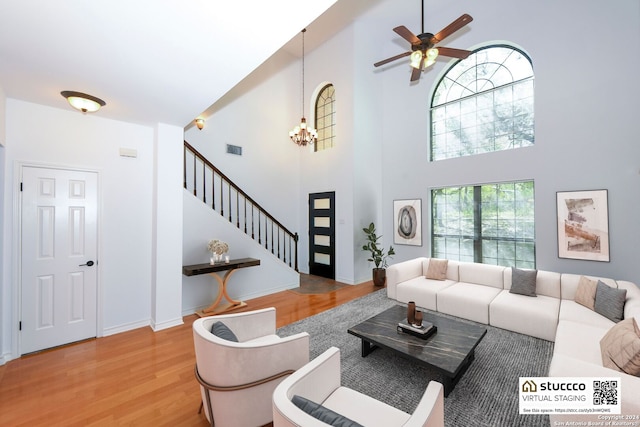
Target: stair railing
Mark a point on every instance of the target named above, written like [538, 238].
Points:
[215, 189]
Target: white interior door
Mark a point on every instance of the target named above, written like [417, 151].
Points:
[58, 257]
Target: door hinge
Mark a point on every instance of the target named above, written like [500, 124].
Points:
[20, 186]
[20, 325]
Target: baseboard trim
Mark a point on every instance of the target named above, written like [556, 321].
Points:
[5, 358]
[125, 327]
[166, 324]
[192, 310]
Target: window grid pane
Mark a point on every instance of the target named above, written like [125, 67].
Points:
[491, 223]
[325, 118]
[483, 103]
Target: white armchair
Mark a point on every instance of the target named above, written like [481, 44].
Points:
[319, 382]
[237, 379]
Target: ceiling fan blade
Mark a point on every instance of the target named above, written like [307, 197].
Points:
[404, 32]
[393, 58]
[452, 28]
[454, 53]
[415, 73]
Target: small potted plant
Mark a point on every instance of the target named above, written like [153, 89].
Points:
[378, 256]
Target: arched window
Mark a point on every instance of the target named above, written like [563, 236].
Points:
[483, 103]
[326, 118]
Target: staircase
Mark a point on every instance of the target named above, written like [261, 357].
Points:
[215, 189]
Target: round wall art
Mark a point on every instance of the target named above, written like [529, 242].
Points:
[407, 217]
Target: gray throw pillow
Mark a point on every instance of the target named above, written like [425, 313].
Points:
[610, 302]
[523, 282]
[323, 414]
[221, 330]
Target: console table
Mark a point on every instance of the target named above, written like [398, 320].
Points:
[213, 269]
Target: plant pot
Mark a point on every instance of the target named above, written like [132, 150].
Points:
[379, 276]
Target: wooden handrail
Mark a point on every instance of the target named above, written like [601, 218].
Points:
[268, 226]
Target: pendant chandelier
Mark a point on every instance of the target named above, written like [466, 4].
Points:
[303, 134]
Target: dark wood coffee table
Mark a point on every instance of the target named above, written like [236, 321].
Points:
[450, 350]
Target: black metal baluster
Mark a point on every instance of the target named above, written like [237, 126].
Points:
[204, 183]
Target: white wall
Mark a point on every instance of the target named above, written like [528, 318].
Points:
[166, 290]
[5, 295]
[203, 224]
[49, 136]
[586, 101]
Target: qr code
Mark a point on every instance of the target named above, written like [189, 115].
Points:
[605, 392]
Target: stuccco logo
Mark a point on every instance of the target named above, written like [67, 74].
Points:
[530, 386]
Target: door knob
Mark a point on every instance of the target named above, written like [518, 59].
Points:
[88, 264]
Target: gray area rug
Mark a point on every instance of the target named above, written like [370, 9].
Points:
[487, 394]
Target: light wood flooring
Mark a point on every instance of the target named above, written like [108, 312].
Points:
[135, 378]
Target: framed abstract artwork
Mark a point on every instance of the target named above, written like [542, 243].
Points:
[583, 225]
[407, 215]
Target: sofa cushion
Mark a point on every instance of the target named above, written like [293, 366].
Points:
[221, 330]
[523, 282]
[437, 269]
[323, 414]
[586, 292]
[422, 291]
[610, 302]
[571, 310]
[579, 341]
[537, 317]
[467, 300]
[620, 347]
[569, 284]
[482, 274]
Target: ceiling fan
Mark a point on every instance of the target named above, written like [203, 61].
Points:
[423, 53]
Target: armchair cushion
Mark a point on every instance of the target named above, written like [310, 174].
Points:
[221, 330]
[323, 414]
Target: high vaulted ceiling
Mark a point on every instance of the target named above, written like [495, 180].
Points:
[151, 61]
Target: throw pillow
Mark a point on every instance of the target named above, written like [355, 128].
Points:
[586, 292]
[323, 414]
[610, 301]
[221, 330]
[523, 282]
[437, 269]
[620, 347]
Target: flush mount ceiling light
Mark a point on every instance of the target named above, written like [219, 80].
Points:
[83, 102]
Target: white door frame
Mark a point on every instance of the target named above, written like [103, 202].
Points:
[17, 249]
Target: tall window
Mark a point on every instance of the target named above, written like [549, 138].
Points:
[326, 118]
[490, 224]
[483, 103]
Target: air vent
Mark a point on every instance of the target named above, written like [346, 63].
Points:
[234, 149]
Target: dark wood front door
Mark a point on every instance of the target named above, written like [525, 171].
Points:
[322, 230]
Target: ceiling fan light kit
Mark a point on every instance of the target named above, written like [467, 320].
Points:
[82, 101]
[423, 51]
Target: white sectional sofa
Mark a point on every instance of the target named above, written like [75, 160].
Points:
[481, 293]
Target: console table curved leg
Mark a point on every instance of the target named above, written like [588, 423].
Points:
[215, 307]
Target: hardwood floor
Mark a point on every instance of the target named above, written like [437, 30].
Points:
[138, 378]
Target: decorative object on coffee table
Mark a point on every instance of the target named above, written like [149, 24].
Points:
[411, 312]
[378, 255]
[417, 321]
